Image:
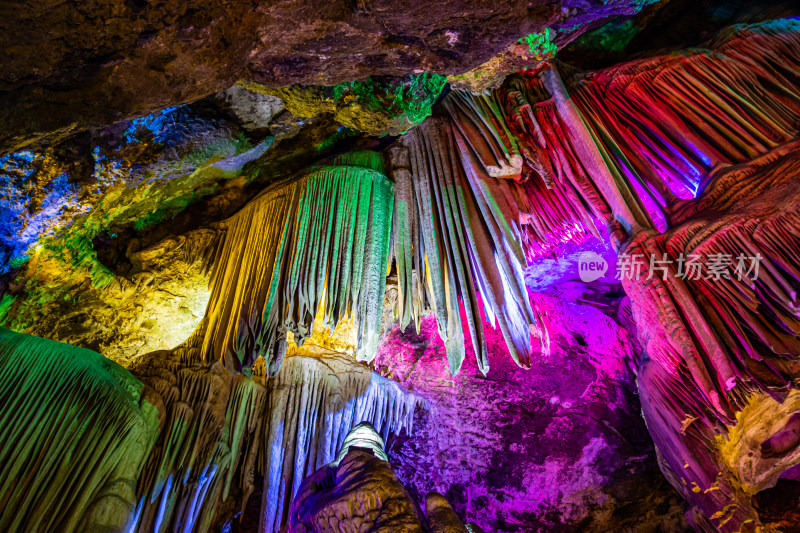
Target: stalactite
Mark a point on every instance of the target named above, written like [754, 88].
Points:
[730, 186]
[622, 198]
[493, 224]
[210, 435]
[671, 120]
[411, 302]
[564, 200]
[755, 321]
[467, 244]
[480, 120]
[238, 290]
[76, 430]
[601, 153]
[491, 150]
[559, 202]
[437, 233]
[327, 233]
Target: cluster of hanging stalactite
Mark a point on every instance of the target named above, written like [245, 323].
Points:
[672, 119]
[325, 240]
[496, 179]
[721, 125]
[505, 176]
[629, 143]
[454, 216]
[87, 446]
[324, 234]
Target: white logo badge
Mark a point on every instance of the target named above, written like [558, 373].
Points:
[591, 266]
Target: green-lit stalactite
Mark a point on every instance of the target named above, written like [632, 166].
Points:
[325, 236]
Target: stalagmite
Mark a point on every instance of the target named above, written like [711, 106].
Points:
[360, 492]
[441, 516]
[362, 436]
[313, 405]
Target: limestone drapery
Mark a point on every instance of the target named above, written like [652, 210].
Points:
[88, 445]
[326, 233]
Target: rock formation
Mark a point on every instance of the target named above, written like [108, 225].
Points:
[78, 65]
[162, 446]
[375, 301]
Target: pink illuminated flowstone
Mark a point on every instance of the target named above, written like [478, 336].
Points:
[547, 448]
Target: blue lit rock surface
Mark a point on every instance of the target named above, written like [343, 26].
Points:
[101, 227]
[65, 210]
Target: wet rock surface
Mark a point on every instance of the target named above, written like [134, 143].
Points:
[559, 447]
